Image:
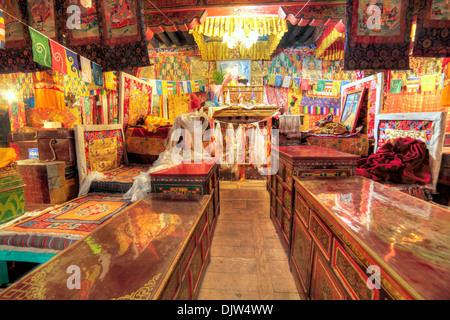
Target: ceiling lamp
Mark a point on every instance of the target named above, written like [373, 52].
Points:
[238, 38]
[86, 3]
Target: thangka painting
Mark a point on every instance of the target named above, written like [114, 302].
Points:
[432, 32]
[287, 64]
[172, 67]
[13, 29]
[379, 34]
[121, 21]
[379, 19]
[41, 14]
[312, 68]
[88, 31]
[198, 68]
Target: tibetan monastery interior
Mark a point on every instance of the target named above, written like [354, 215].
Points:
[224, 150]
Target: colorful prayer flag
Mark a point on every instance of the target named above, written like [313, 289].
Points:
[73, 69]
[170, 87]
[396, 86]
[165, 88]
[286, 82]
[189, 87]
[41, 48]
[58, 57]
[428, 83]
[271, 80]
[296, 83]
[413, 84]
[192, 86]
[98, 74]
[336, 89]
[196, 86]
[305, 84]
[320, 86]
[110, 80]
[159, 90]
[2, 31]
[328, 86]
[86, 69]
[278, 80]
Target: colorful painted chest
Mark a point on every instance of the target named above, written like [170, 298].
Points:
[353, 238]
[189, 178]
[50, 182]
[302, 161]
[12, 201]
[158, 248]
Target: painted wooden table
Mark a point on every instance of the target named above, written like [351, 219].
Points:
[158, 248]
[350, 231]
[302, 161]
[189, 178]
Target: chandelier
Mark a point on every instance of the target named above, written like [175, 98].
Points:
[238, 38]
[86, 3]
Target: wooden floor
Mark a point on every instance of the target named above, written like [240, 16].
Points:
[248, 261]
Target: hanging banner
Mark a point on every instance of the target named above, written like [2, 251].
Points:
[159, 90]
[321, 86]
[296, 83]
[2, 31]
[86, 69]
[73, 69]
[110, 80]
[271, 80]
[286, 82]
[413, 84]
[58, 57]
[41, 48]
[396, 86]
[336, 89]
[305, 84]
[428, 83]
[98, 74]
[278, 80]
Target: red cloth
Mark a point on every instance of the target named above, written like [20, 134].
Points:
[404, 161]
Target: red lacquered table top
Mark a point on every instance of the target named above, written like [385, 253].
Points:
[186, 169]
[306, 152]
[126, 258]
[409, 238]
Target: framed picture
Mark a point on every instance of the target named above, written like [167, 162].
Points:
[235, 70]
[351, 107]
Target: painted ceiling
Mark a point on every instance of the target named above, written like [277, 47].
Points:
[117, 34]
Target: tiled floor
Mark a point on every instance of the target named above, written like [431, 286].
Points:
[247, 259]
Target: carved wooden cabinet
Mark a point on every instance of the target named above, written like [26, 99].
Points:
[190, 178]
[301, 161]
[353, 238]
[158, 248]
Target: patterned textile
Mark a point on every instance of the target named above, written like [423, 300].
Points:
[358, 144]
[420, 129]
[57, 228]
[286, 64]
[118, 180]
[320, 105]
[103, 150]
[144, 145]
[134, 102]
[172, 67]
[178, 104]
[433, 22]
[68, 117]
